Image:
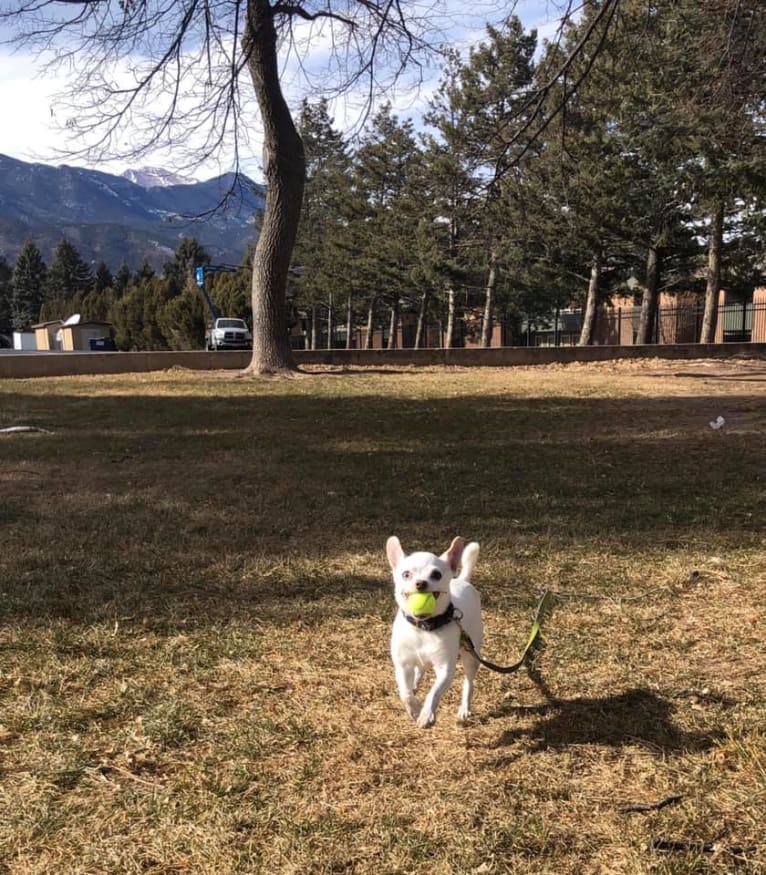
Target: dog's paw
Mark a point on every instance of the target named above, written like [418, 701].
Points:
[413, 707]
[463, 714]
[426, 718]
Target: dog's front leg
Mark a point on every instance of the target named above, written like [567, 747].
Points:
[444, 676]
[407, 680]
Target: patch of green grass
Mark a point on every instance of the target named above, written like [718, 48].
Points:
[195, 608]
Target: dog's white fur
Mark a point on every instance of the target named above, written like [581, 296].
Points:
[414, 650]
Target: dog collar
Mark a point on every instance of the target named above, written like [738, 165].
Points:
[430, 624]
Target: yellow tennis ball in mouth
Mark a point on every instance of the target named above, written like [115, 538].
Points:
[421, 604]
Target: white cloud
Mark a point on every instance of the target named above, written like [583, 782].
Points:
[29, 110]
[34, 127]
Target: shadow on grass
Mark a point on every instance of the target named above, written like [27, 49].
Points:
[753, 376]
[634, 717]
[156, 504]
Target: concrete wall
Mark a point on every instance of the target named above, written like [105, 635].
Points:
[52, 364]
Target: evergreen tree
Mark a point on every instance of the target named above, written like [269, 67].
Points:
[385, 214]
[136, 315]
[6, 294]
[29, 279]
[180, 312]
[68, 276]
[231, 291]
[102, 278]
[448, 230]
[182, 318]
[581, 187]
[722, 102]
[679, 122]
[320, 268]
[491, 100]
[121, 279]
[145, 272]
[188, 255]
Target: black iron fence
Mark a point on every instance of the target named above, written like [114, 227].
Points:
[735, 323]
[615, 326]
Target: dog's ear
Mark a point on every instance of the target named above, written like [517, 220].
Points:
[454, 554]
[394, 551]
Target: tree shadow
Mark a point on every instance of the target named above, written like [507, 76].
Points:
[155, 504]
[633, 717]
[751, 376]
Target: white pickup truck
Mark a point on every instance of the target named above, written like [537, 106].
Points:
[228, 333]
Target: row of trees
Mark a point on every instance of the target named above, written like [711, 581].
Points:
[146, 309]
[542, 178]
[641, 168]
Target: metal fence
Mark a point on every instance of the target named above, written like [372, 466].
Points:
[615, 326]
[736, 323]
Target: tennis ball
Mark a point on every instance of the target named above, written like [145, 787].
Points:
[421, 604]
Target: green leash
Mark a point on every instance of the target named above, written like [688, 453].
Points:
[533, 642]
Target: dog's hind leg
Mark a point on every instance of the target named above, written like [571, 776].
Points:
[470, 667]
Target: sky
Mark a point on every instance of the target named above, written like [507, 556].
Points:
[33, 118]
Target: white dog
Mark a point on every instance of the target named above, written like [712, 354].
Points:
[419, 643]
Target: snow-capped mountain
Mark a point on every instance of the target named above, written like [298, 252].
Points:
[108, 217]
[154, 177]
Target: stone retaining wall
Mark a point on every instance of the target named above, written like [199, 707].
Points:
[59, 364]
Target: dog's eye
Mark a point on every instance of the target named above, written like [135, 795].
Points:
[436, 575]
[406, 575]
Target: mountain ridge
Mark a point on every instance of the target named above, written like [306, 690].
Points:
[154, 177]
[109, 217]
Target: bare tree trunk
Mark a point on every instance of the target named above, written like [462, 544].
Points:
[489, 301]
[314, 328]
[284, 168]
[649, 302]
[419, 331]
[450, 338]
[370, 324]
[591, 303]
[349, 323]
[713, 288]
[329, 323]
[392, 344]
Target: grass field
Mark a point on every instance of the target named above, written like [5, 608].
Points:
[195, 608]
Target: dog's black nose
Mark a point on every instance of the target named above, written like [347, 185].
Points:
[421, 585]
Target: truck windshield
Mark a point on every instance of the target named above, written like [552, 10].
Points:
[231, 323]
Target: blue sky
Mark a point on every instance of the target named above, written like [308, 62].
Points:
[33, 124]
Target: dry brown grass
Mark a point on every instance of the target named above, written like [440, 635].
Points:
[196, 606]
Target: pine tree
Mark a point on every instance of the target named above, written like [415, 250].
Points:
[68, 275]
[182, 319]
[6, 293]
[320, 272]
[145, 272]
[136, 315]
[385, 214]
[188, 255]
[231, 291]
[447, 232]
[723, 104]
[677, 86]
[488, 100]
[102, 278]
[29, 279]
[121, 279]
